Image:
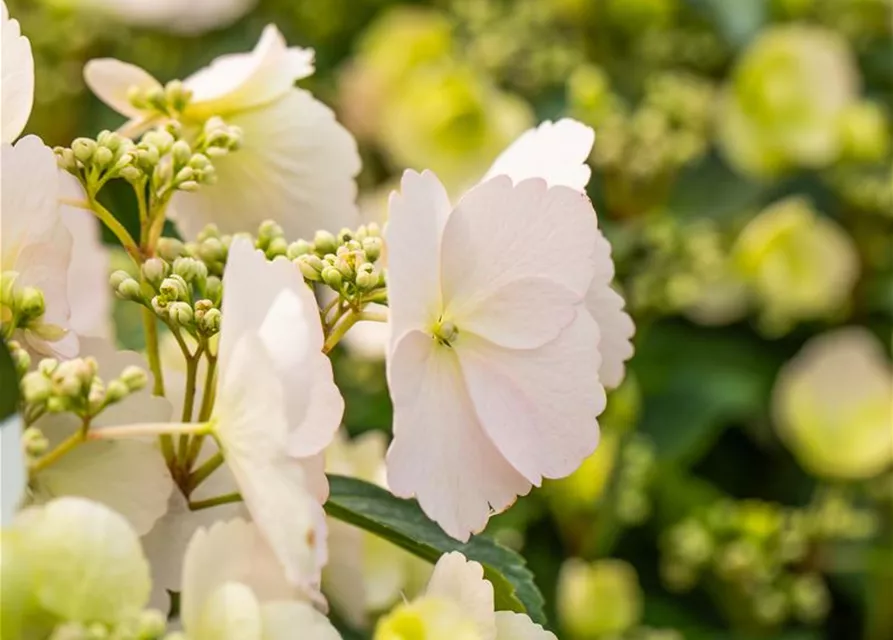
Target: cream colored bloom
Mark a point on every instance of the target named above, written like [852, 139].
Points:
[234, 589]
[17, 82]
[493, 364]
[34, 243]
[457, 605]
[365, 574]
[129, 476]
[273, 424]
[296, 165]
[797, 264]
[833, 405]
[194, 17]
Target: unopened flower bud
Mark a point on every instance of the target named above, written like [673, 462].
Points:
[174, 287]
[310, 266]
[189, 186]
[190, 269]
[115, 391]
[155, 270]
[325, 242]
[20, 357]
[199, 162]
[134, 377]
[214, 289]
[177, 95]
[160, 139]
[299, 248]
[136, 97]
[268, 230]
[185, 175]
[118, 277]
[344, 268]
[129, 289]
[147, 157]
[212, 250]
[169, 249]
[277, 247]
[30, 303]
[366, 280]
[36, 387]
[151, 624]
[66, 160]
[209, 323]
[372, 247]
[103, 157]
[180, 313]
[34, 442]
[332, 277]
[344, 235]
[373, 230]
[83, 149]
[47, 366]
[96, 396]
[131, 173]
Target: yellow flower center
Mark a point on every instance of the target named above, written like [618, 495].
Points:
[427, 619]
[445, 332]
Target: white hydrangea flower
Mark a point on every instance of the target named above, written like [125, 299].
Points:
[234, 589]
[34, 243]
[458, 603]
[297, 163]
[88, 273]
[191, 18]
[273, 425]
[365, 573]
[17, 83]
[129, 476]
[833, 405]
[493, 364]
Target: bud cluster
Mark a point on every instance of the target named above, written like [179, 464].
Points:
[345, 262]
[146, 625]
[762, 552]
[20, 307]
[74, 386]
[636, 466]
[95, 162]
[170, 100]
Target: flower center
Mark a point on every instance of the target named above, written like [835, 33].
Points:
[445, 332]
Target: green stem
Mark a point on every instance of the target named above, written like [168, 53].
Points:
[346, 322]
[215, 502]
[192, 363]
[67, 445]
[109, 221]
[204, 412]
[149, 429]
[205, 470]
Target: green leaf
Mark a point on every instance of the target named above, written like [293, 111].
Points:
[404, 524]
[737, 20]
[9, 384]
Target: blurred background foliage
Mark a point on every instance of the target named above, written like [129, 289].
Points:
[742, 169]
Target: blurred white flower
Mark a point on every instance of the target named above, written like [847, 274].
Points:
[833, 405]
[12, 467]
[273, 424]
[34, 243]
[17, 82]
[297, 163]
[191, 18]
[365, 574]
[129, 476]
[458, 603]
[234, 589]
[493, 363]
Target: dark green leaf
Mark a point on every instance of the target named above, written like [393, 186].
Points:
[402, 522]
[9, 384]
[737, 20]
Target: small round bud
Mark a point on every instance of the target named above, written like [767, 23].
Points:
[20, 357]
[214, 289]
[310, 265]
[344, 236]
[174, 287]
[130, 289]
[103, 157]
[134, 377]
[58, 404]
[199, 162]
[209, 323]
[83, 149]
[277, 247]
[185, 175]
[118, 277]
[177, 95]
[131, 173]
[36, 387]
[324, 242]
[30, 303]
[212, 250]
[96, 396]
[34, 442]
[373, 230]
[170, 249]
[208, 231]
[116, 391]
[332, 277]
[190, 269]
[372, 248]
[136, 97]
[155, 270]
[180, 313]
[66, 160]
[268, 230]
[47, 366]
[299, 248]
[151, 624]
[344, 268]
[190, 186]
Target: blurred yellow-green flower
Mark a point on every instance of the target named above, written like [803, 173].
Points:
[833, 405]
[784, 99]
[797, 264]
[597, 599]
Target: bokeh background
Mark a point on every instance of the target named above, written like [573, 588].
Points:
[743, 170]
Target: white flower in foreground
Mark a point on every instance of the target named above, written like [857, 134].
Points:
[297, 163]
[129, 476]
[833, 405]
[234, 589]
[34, 243]
[277, 406]
[458, 603]
[12, 467]
[493, 364]
[88, 274]
[365, 574]
[17, 82]
[192, 18]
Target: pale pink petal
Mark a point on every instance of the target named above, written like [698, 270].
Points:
[297, 166]
[616, 328]
[500, 233]
[89, 294]
[517, 626]
[282, 619]
[538, 406]
[111, 79]
[440, 453]
[556, 152]
[462, 581]
[17, 83]
[416, 217]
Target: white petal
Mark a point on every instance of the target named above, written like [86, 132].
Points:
[13, 474]
[252, 429]
[523, 314]
[462, 581]
[88, 275]
[416, 218]
[500, 233]
[556, 152]
[440, 453]
[517, 626]
[538, 406]
[111, 79]
[17, 83]
[231, 612]
[29, 195]
[283, 619]
[297, 166]
[616, 328]
[342, 577]
[244, 81]
[232, 551]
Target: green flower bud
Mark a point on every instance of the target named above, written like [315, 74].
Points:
[34, 442]
[176, 95]
[66, 160]
[185, 175]
[131, 174]
[137, 98]
[115, 391]
[58, 404]
[20, 357]
[209, 323]
[373, 230]
[372, 247]
[180, 314]
[809, 598]
[310, 266]
[190, 186]
[134, 377]
[200, 162]
[111, 140]
[332, 277]
[30, 303]
[130, 289]
[191, 270]
[212, 250]
[47, 366]
[147, 157]
[613, 583]
[36, 387]
[366, 279]
[151, 624]
[118, 277]
[160, 139]
[865, 132]
[209, 231]
[214, 289]
[169, 249]
[324, 242]
[83, 149]
[277, 247]
[344, 267]
[344, 236]
[155, 270]
[103, 157]
[174, 287]
[299, 248]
